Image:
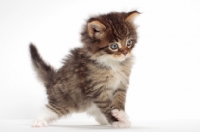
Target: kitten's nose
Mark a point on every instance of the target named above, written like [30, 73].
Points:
[125, 53]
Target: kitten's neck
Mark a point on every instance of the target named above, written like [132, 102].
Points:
[107, 62]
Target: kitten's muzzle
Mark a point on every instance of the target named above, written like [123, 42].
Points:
[125, 53]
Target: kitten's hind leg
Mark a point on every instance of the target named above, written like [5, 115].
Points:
[45, 116]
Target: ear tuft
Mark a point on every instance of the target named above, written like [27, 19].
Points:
[131, 16]
[96, 29]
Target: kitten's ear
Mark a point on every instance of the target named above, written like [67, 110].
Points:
[96, 29]
[130, 16]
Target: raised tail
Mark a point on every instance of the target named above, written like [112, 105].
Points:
[44, 71]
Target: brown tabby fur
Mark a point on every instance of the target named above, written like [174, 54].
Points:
[84, 80]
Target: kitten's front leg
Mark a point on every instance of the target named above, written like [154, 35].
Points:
[118, 111]
[103, 102]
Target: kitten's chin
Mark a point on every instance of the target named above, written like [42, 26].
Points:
[112, 61]
[120, 58]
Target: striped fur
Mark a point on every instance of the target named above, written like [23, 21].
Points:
[93, 78]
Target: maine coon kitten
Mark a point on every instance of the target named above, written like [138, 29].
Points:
[94, 77]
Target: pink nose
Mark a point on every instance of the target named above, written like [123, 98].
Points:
[125, 53]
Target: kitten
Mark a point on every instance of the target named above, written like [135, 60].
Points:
[94, 77]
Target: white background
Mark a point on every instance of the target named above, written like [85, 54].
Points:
[165, 80]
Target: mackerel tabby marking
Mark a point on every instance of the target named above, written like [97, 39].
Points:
[95, 74]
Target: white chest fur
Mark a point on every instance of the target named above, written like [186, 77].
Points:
[115, 72]
[110, 74]
[115, 78]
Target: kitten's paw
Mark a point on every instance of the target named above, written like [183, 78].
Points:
[120, 115]
[39, 122]
[121, 124]
[102, 121]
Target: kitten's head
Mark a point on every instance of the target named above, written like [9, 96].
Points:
[110, 36]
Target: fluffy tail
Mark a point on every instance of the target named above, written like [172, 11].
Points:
[44, 71]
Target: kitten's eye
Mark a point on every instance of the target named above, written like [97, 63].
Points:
[129, 43]
[114, 46]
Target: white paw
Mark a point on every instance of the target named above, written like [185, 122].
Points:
[120, 115]
[39, 122]
[102, 121]
[122, 118]
[121, 124]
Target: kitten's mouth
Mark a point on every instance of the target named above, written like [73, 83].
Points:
[121, 58]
